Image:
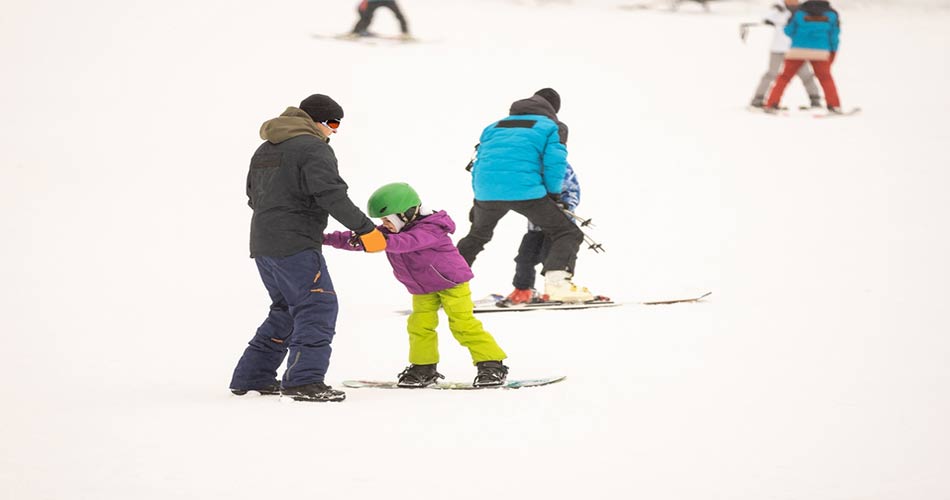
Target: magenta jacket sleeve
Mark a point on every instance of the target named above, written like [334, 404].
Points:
[418, 238]
[341, 240]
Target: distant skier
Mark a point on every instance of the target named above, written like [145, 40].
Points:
[425, 260]
[535, 245]
[520, 167]
[814, 30]
[777, 17]
[367, 8]
[704, 3]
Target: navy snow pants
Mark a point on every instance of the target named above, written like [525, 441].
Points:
[301, 322]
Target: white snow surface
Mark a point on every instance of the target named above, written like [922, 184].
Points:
[817, 369]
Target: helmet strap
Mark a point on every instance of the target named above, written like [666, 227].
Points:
[410, 215]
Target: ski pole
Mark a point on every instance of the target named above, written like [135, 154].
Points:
[471, 161]
[583, 221]
[593, 245]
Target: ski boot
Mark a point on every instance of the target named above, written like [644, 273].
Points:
[522, 296]
[559, 288]
[415, 376]
[271, 389]
[835, 110]
[490, 374]
[317, 391]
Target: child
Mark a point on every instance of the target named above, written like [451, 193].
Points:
[426, 261]
[535, 245]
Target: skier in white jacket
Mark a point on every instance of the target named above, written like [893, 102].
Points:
[777, 17]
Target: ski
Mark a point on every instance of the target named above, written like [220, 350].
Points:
[599, 302]
[676, 301]
[849, 112]
[782, 111]
[455, 386]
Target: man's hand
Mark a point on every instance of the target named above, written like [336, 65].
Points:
[556, 198]
[373, 241]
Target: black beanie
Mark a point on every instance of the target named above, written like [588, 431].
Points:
[321, 108]
[551, 96]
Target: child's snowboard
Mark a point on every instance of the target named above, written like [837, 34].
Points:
[510, 384]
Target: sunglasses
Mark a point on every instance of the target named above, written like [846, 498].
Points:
[334, 124]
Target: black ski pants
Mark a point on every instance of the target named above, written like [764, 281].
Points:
[565, 236]
[535, 246]
[367, 9]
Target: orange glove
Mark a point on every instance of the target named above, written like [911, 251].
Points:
[373, 241]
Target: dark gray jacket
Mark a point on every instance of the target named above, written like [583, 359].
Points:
[293, 185]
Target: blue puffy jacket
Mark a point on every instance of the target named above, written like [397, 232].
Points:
[521, 157]
[815, 25]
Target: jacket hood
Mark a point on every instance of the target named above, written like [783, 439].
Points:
[534, 105]
[290, 124]
[440, 218]
[815, 7]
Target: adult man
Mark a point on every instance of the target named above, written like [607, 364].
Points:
[520, 166]
[293, 186]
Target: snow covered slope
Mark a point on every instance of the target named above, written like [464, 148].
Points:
[817, 369]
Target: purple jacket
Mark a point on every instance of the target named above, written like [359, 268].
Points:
[422, 254]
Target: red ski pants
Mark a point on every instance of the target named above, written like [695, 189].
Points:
[822, 72]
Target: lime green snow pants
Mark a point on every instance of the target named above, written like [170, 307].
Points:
[457, 302]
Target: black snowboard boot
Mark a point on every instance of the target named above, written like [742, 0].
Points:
[490, 374]
[419, 376]
[271, 389]
[316, 391]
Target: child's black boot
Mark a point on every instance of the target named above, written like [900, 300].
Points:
[490, 374]
[419, 376]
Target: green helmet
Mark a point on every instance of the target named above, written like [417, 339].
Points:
[394, 198]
